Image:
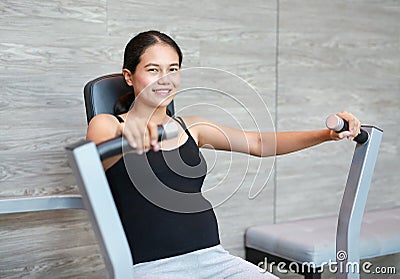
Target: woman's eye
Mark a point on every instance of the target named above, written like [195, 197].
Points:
[174, 69]
[152, 70]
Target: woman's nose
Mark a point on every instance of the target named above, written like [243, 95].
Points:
[165, 79]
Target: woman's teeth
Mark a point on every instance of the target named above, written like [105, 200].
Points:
[162, 91]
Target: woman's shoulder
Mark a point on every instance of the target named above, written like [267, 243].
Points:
[197, 125]
[194, 120]
[104, 119]
[102, 126]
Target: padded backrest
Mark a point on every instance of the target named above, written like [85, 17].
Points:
[101, 94]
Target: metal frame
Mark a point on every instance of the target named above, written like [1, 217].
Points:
[351, 211]
[86, 165]
[41, 203]
[353, 204]
[96, 198]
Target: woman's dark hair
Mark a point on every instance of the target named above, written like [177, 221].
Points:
[133, 52]
[138, 45]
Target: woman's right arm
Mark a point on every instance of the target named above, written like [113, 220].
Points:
[140, 133]
[103, 127]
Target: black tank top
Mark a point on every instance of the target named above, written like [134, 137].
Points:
[159, 225]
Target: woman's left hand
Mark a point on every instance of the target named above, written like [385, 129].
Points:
[354, 127]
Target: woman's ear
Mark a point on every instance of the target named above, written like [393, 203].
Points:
[128, 76]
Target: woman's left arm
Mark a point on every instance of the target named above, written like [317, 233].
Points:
[211, 135]
[287, 142]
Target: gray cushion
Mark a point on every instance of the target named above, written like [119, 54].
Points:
[313, 240]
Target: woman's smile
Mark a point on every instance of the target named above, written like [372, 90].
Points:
[162, 91]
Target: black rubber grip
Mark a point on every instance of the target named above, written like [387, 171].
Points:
[362, 136]
[116, 146]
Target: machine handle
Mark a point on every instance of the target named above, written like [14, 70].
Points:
[117, 145]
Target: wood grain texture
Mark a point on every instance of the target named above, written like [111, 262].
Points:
[336, 56]
[346, 50]
[53, 244]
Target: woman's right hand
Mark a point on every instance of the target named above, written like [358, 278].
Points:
[141, 134]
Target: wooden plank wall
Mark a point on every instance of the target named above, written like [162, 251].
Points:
[306, 59]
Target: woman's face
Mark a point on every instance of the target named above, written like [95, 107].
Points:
[156, 78]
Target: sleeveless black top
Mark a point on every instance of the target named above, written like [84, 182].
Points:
[159, 200]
